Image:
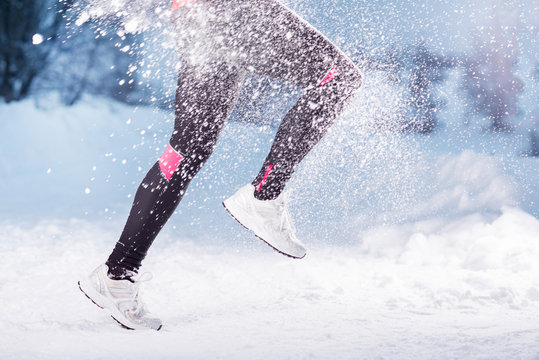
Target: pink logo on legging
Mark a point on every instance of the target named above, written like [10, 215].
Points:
[330, 76]
[265, 177]
[169, 162]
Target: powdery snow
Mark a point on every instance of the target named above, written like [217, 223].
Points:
[467, 290]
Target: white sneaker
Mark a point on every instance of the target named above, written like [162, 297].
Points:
[120, 298]
[268, 219]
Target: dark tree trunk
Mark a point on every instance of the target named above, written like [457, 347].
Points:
[20, 60]
[534, 143]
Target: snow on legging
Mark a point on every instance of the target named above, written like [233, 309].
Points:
[221, 40]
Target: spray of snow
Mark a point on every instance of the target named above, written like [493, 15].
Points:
[37, 39]
[412, 254]
[124, 15]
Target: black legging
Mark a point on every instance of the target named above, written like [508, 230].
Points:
[221, 40]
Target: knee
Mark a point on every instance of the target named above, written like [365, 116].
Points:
[177, 144]
[344, 78]
[191, 148]
[193, 152]
[352, 77]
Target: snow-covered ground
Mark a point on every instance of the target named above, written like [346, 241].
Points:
[419, 247]
[466, 292]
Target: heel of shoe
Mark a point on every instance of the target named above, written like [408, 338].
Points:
[89, 292]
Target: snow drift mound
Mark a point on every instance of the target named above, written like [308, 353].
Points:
[465, 184]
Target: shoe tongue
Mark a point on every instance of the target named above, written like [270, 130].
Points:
[283, 197]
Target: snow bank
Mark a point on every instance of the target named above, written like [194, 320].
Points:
[468, 291]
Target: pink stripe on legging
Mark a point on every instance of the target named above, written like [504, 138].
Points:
[330, 76]
[265, 177]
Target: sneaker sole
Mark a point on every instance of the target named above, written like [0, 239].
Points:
[271, 246]
[107, 309]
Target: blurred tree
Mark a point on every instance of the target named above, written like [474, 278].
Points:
[534, 140]
[534, 130]
[489, 79]
[116, 49]
[27, 30]
[42, 49]
[94, 60]
[426, 71]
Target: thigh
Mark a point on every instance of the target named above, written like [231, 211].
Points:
[260, 36]
[204, 100]
[279, 44]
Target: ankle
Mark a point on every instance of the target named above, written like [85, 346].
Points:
[117, 272]
[266, 195]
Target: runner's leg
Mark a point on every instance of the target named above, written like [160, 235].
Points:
[281, 45]
[302, 128]
[203, 103]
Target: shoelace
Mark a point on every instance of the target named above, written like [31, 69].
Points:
[136, 305]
